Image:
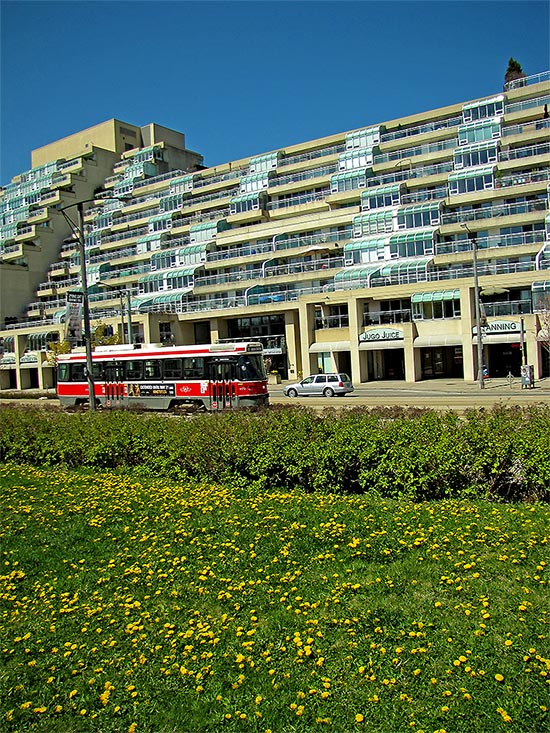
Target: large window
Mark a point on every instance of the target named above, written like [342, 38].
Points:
[374, 222]
[477, 132]
[472, 179]
[348, 181]
[423, 215]
[436, 305]
[483, 108]
[469, 156]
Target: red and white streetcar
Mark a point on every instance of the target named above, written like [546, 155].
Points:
[154, 377]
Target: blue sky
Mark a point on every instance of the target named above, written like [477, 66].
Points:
[242, 78]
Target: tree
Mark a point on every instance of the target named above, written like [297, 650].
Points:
[103, 335]
[514, 73]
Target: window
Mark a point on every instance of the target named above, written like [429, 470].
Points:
[436, 305]
[483, 109]
[321, 379]
[134, 370]
[473, 179]
[152, 369]
[348, 181]
[424, 215]
[172, 367]
[477, 132]
[193, 367]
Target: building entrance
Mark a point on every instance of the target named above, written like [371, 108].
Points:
[442, 361]
[503, 359]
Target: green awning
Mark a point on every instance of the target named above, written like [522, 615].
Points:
[374, 215]
[358, 172]
[254, 196]
[156, 237]
[418, 235]
[383, 190]
[483, 102]
[405, 267]
[168, 298]
[354, 274]
[419, 208]
[140, 302]
[437, 295]
[367, 245]
[204, 225]
[150, 276]
[484, 170]
[183, 272]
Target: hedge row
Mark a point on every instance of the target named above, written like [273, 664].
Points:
[503, 453]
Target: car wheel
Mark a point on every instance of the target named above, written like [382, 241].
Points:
[292, 393]
[328, 392]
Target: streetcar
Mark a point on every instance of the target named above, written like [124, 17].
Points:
[155, 377]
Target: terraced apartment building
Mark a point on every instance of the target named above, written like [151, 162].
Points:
[357, 252]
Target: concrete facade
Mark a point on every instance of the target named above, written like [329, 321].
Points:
[351, 252]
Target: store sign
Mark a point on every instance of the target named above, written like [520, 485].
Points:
[495, 327]
[381, 334]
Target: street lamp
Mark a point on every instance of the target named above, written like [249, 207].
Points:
[78, 234]
[473, 242]
[78, 237]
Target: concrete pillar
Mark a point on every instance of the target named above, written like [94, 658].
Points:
[307, 333]
[292, 337]
[355, 314]
[413, 367]
[467, 323]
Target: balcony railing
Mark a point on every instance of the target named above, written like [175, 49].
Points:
[385, 318]
[525, 127]
[527, 80]
[527, 104]
[269, 342]
[312, 155]
[304, 198]
[413, 152]
[504, 240]
[339, 321]
[522, 179]
[525, 152]
[490, 212]
[303, 175]
[421, 129]
[508, 308]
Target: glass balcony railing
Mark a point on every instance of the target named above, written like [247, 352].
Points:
[507, 308]
[303, 175]
[385, 318]
[312, 155]
[525, 127]
[303, 198]
[339, 321]
[504, 240]
[527, 80]
[527, 104]
[527, 151]
[522, 178]
[490, 212]
[413, 152]
[421, 129]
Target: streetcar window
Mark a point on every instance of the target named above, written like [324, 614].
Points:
[77, 373]
[251, 366]
[97, 371]
[134, 369]
[172, 368]
[193, 368]
[62, 372]
[152, 369]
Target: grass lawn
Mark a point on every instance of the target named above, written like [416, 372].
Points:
[133, 606]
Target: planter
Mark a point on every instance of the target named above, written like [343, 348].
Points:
[274, 379]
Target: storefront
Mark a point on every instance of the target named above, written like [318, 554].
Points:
[503, 347]
[382, 354]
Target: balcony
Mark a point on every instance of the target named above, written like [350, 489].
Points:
[504, 240]
[528, 80]
[339, 321]
[490, 212]
[386, 318]
[507, 308]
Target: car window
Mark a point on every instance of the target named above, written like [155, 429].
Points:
[333, 378]
[320, 379]
[345, 377]
[307, 380]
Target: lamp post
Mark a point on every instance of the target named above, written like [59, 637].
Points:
[473, 242]
[78, 233]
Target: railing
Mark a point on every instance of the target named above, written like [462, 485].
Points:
[527, 80]
[313, 240]
[119, 236]
[525, 127]
[465, 215]
[269, 342]
[522, 179]
[303, 175]
[159, 179]
[312, 155]
[527, 104]
[525, 152]
[412, 152]
[508, 308]
[338, 321]
[384, 318]
[417, 197]
[404, 175]
[295, 268]
[304, 198]
[251, 249]
[235, 173]
[421, 129]
[505, 240]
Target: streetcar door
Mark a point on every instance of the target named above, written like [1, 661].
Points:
[223, 388]
[114, 384]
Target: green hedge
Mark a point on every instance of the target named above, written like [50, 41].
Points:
[394, 453]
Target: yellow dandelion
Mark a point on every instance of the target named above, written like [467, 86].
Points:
[359, 718]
